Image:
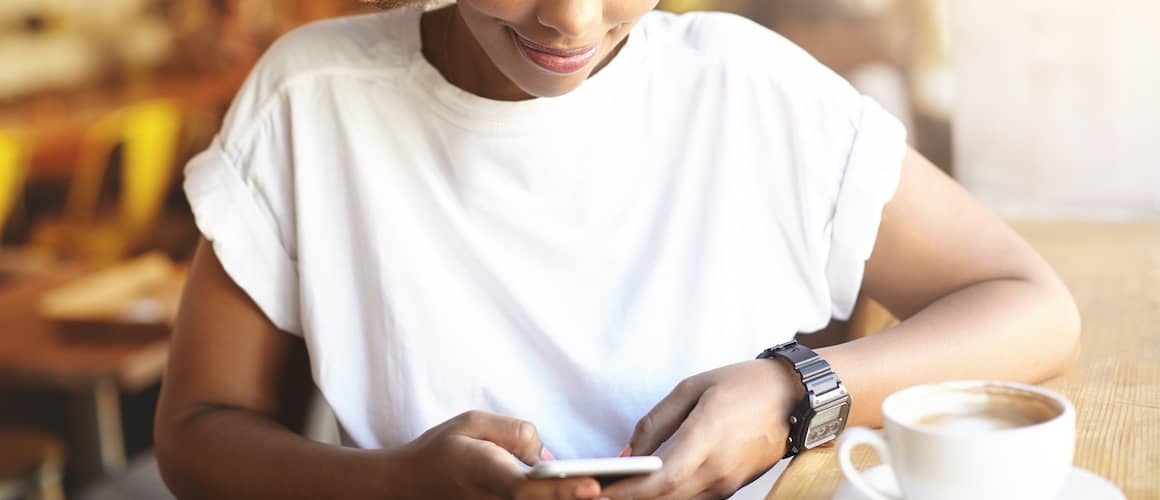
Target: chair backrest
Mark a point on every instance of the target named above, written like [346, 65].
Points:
[148, 133]
[12, 172]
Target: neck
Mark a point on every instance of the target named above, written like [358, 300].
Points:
[451, 48]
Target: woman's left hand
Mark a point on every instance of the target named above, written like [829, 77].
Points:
[727, 426]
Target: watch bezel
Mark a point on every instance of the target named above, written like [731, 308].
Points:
[843, 416]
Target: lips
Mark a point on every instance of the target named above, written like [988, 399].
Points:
[552, 60]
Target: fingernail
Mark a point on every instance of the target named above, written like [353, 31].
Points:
[546, 455]
[587, 490]
[626, 452]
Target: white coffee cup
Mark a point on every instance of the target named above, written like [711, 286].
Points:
[970, 440]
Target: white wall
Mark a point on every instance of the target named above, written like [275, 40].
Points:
[1057, 109]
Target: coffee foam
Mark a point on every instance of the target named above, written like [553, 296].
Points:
[974, 409]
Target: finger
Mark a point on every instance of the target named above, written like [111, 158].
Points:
[710, 495]
[701, 484]
[659, 424]
[490, 467]
[519, 437]
[715, 483]
[580, 488]
[683, 459]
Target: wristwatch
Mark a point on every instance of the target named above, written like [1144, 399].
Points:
[821, 415]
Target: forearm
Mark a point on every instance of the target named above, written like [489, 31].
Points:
[230, 453]
[1003, 329]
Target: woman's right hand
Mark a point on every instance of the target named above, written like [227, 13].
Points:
[474, 456]
[230, 402]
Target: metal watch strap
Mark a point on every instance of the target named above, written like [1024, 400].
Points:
[815, 372]
[821, 384]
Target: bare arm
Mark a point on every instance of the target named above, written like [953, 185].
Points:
[231, 394]
[976, 302]
[975, 299]
[235, 388]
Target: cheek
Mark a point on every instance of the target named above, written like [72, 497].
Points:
[508, 11]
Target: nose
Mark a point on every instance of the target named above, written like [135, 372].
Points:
[571, 18]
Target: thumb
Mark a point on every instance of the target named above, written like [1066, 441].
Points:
[665, 418]
[489, 467]
[518, 437]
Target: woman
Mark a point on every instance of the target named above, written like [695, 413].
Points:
[506, 227]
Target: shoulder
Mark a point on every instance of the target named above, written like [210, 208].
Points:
[369, 47]
[733, 45]
[722, 37]
[378, 41]
[703, 31]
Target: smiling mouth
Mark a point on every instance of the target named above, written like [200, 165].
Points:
[557, 61]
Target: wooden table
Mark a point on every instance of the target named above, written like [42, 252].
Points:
[1114, 272]
[93, 372]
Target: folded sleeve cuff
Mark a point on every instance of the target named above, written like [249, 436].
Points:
[870, 181]
[244, 236]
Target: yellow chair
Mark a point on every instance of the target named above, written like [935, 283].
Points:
[149, 136]
[149, 133]
[12, 172]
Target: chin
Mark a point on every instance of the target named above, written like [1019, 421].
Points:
[539, 83]
[551, 89]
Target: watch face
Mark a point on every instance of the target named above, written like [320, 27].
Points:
[826, 425]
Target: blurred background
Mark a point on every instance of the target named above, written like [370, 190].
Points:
[1044, 109]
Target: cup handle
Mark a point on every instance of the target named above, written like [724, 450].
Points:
[853, 438]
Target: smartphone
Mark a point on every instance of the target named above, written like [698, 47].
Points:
[595, 467]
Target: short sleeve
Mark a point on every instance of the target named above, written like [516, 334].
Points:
[232, 214]
[242, 188]
[869, 180]
[841, 155]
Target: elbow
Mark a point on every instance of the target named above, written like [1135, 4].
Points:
[1072, 333]
[175, 450]
[1064, 336]
[166, 442]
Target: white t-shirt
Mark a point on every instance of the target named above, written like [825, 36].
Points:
[711, 192]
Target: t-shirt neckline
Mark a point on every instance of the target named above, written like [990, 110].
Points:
[477, 112]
